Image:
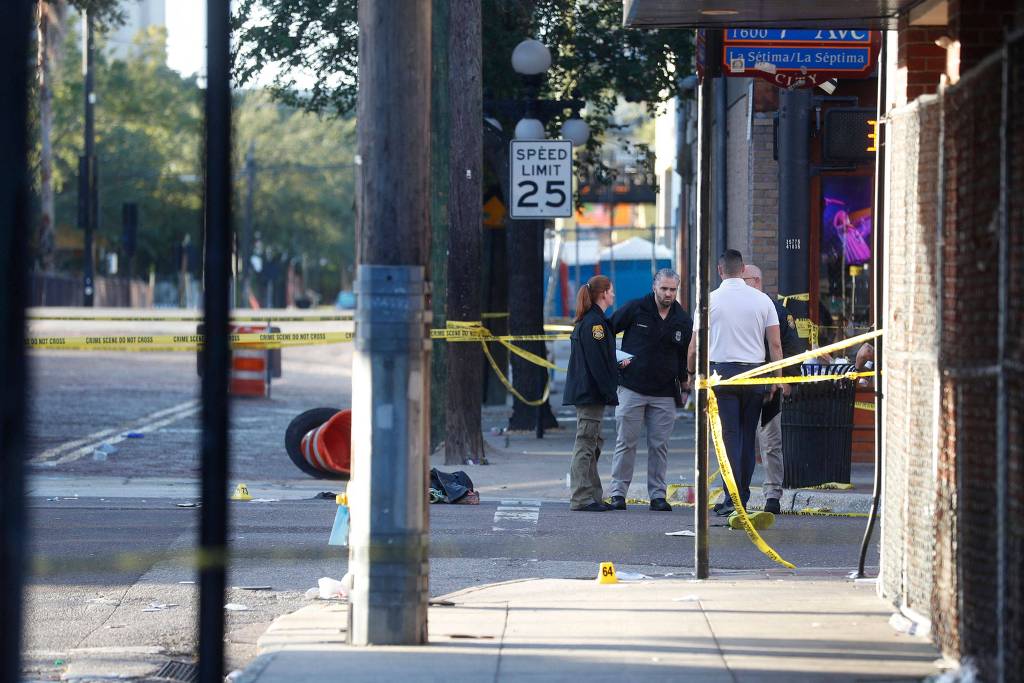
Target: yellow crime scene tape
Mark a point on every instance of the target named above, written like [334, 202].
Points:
[269, 340]
[196, 317]
[784, 298]
[750, 377]
[185, 342]
[458, 330]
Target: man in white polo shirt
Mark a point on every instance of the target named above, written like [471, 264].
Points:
[742, 318]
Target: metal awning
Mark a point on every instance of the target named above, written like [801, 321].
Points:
[864, 14]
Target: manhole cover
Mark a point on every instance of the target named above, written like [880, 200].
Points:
[178, 671]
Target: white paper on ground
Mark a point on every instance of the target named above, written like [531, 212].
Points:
[684, 532]
[630, 576]
[331, 589]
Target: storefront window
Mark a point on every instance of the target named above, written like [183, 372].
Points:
[846, 258]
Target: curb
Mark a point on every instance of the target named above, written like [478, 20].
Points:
[793, 501]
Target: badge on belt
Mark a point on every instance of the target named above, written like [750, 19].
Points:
[598, 331]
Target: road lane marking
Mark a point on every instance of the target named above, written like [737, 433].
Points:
[57, 450]
[78, 448]
[517, 516]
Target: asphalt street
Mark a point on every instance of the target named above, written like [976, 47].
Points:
[111, 576]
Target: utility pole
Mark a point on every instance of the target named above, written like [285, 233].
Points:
[87, 176]
[390, 380]
[440, 134]
[464, 398]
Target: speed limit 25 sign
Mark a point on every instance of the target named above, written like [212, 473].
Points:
[541, 173]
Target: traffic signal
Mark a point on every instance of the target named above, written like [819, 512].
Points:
[844, 140]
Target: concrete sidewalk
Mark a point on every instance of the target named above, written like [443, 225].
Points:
[750, 626]
[521, 465]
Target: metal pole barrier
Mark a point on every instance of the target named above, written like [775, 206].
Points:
[87, 182]
[391, 365]
[572, 294]
[794, 184]
[878, 301]
[720, 162]
[713, 58]
[14, 231]
[216, 359]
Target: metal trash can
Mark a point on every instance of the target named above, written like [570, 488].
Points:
[817, 429]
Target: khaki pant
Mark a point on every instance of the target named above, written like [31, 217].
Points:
[635, 411]
[583, 477]
[769, 445]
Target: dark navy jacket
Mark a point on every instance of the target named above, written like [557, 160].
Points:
[658, 346]
[792, 343]
[591, 378]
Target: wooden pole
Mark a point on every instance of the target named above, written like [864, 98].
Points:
[391, 364]
[464, 397]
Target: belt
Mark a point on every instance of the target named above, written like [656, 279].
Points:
[731, 362]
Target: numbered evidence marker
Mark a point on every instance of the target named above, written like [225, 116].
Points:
[606, 573]
[541, 173]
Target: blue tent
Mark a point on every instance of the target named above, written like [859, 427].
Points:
[630, 264]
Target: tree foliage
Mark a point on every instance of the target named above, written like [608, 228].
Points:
[593, 56]
[148, 133]
[149, 122]
[305, 188]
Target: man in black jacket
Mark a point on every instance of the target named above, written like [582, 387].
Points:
[657, 332]
[769, 430]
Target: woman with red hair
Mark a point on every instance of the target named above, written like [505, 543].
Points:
[590, 385]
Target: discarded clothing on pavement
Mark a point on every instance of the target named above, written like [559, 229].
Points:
[454, 487]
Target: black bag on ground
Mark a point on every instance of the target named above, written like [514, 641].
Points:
[454, 485]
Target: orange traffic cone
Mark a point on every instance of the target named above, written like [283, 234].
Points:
[249, 367]
[319, 442]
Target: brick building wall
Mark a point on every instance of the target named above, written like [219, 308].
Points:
[911, 355]
[954, 479]
[763, 205]
[1013, 363]
[738, 170]
[981, 27]
[922, 57]
[973, 112]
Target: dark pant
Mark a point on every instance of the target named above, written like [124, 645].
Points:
[740, 409]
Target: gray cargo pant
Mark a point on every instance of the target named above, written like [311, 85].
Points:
[634, 411]
[583, 477]
[769, 445]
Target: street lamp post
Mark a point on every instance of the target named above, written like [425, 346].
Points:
[87, 176]
[530, 59]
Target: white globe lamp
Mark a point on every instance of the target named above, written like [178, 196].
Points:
[529, 129]
[531, 57]
[577, 131]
